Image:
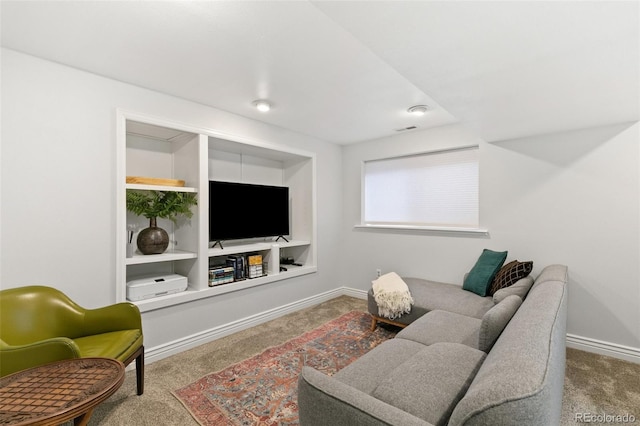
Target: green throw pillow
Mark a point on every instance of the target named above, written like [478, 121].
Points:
[483, 272]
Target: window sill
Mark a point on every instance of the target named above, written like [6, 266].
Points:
[434, 230]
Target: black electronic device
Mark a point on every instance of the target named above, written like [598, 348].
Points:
[241, 210]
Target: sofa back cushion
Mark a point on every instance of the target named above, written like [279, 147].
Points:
[520, 288]
[495, 320]
[557, 273]
[521, 380]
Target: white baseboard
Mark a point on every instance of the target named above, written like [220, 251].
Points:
[353, 292]
[171, 348]
[600, 347]
[157, 353]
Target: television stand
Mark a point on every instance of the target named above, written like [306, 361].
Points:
[217, 243]
[277, 239]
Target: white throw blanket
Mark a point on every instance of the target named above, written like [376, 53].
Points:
[392, 296]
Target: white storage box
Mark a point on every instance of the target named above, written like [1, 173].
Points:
[148, 286]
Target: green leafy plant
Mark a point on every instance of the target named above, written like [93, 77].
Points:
[163, 204]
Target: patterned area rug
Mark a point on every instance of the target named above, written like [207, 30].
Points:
[262, 390]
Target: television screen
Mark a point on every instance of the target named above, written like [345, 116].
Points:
[240, 210]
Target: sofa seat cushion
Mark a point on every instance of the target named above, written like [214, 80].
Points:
[365, 373]
[116, 344]
[431, 382]
[442, 326]
[431, 295]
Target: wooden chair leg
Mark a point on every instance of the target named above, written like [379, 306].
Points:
[139, 357]
[374, 323]
[140, 371]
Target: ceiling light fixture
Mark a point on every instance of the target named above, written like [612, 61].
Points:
[262, 105]
[418, 110]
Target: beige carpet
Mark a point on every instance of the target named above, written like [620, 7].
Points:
[594, 384]
[601, 388]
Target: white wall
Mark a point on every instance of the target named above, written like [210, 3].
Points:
[58, 192]
[570, 198]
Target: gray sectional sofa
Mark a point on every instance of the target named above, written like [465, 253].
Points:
[463, 360]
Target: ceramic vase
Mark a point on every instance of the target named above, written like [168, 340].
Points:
[153, 240]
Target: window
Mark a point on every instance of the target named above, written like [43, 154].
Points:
[437, 189]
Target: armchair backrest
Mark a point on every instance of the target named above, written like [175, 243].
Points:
[29, 314]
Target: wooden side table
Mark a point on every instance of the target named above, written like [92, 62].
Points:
[53, 393]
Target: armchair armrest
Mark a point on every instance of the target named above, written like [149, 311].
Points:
[121, 316]
[18, 358]
[324, 400]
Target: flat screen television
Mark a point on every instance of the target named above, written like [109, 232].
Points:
[242, 211]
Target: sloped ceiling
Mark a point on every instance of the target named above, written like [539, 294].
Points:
[346, 72]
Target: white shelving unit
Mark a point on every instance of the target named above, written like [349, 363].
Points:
[159, 187]
[169, 256]
[271, 252]
[153, 147]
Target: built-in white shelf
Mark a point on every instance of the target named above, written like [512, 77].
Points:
[151, 146]
[167, 256]
[160, 187]
[192, 294]
[272, 251]
[231, 248]
[293, 243]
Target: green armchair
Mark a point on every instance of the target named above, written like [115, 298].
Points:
[39, 325]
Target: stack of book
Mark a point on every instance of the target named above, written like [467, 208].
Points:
[237, 262]
[237, 268]
[255, 265]
[221, 275]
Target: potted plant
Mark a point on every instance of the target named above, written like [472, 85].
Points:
[158, 204]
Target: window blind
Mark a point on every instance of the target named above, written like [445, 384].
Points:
[431, 189]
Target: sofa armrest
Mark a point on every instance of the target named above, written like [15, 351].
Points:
[323, 400]
[18, 358]
[121, 316]
[495, 320]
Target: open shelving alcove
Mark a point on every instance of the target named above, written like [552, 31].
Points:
[158, 148]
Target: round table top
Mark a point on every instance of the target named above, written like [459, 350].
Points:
[57, 392]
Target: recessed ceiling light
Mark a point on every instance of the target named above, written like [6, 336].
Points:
[262, 105]
[418, 110]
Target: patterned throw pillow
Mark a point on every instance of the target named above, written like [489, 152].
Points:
[509, 274]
